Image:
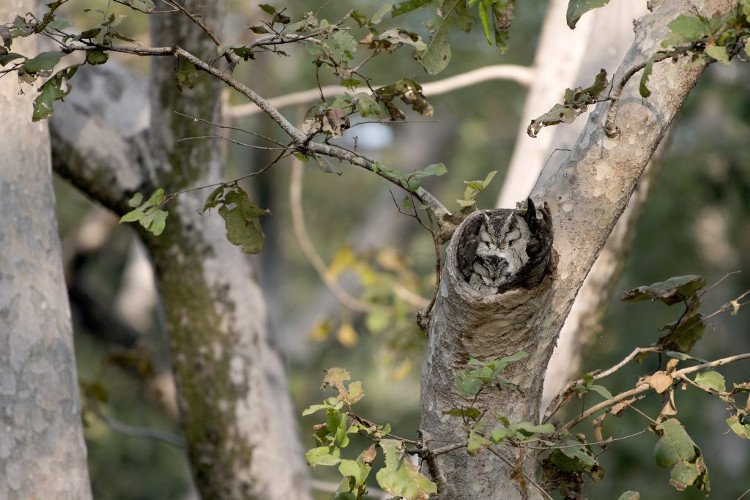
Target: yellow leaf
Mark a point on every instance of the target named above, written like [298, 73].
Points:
[343, 260]
[320, 331]
[389, 259]
[347, 335]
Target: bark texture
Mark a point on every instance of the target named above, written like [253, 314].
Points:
[469, 321]
[236, 412]
[586, 196]
[42, 452]
[232, 390]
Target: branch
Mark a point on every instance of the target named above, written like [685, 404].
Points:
[519, 74]
[143, 432]
[641, 388]
[300, 232]
[303, 142]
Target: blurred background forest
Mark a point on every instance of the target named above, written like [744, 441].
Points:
[696, 222]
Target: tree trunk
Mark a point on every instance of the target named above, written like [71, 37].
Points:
[42, 452]
[235, 408]
[586, 196]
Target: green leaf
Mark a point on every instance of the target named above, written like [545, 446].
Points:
[436, 56]
[315, 408]
[214, 198]
[436, 169]
[484, 18]
[718, 52]
[742, 430]
[601, 390]
[43, 62]
[59, 24]
[683, 475]
[156, 198]
[367, 106]
[575, 103]
[133, 216]
[711, 380]
[323, 455]
[51, 91]
[349, 468]
[573, 457]
[629, 495]
[95, 57]
[577, 8]
[408, 6]
[528, 429]
[685, 332]
[268, 9]
[154, 220]
[674, 445]
[399, 476]
[643, 89]
[477, 442]
[670, 292]
[136, 200]
[10, 56]
[185, 74]
[688, 27]
[342, 45]
[467, 383]
[243, 221]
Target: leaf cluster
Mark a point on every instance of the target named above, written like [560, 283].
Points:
[399, 476]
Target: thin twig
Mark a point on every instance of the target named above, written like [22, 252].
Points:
[561, 396]
[512, 467]
[143, 432]
[229, 127]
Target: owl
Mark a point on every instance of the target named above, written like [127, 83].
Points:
[503, 249]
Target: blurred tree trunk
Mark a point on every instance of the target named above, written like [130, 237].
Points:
[232, 391]
[42, 452]
[235, 408]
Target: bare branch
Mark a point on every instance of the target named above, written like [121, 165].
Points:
[300, 231]
[519, 74]
[143, 432]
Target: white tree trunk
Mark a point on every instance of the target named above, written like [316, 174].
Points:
[42, 452]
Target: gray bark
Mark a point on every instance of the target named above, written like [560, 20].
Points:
[42, 452]
[586, 196]
[243, 443]
[235, 408]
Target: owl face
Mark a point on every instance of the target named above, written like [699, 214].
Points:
[496, 247]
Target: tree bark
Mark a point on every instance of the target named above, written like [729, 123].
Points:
[586, 196]
[236, 412]
[567, 59]
[42, 452]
